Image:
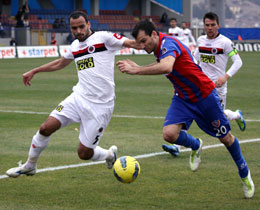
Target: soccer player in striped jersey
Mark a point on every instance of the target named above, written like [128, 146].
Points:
[213, 52]
[92, 101]
[195, 98]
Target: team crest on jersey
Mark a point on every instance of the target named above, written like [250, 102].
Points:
[214, 50]
[118, 36]
[164, 50]
[216, 123]
[91, 49]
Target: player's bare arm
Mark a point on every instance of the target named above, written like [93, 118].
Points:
[133, 44]
[49, 67]
[163, 67]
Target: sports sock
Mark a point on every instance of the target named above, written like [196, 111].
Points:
[187, 140]
[39, 143]
[178, 146]
[237, 156]
[231, 115]
[100, 154]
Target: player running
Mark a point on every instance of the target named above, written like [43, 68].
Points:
[195, 98]
[213, 53]
[92, 101]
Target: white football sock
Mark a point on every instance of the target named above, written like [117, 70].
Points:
[178, 146]
[39, 143]
[100, 154]
[231, 115]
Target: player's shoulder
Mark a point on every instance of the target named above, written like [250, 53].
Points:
[223, 38]
[75, 43]
[202, 38]
[110, 35]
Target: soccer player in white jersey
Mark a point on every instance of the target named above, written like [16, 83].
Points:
[92, 101]
[213, 52]
[187, 36]
[174, 30]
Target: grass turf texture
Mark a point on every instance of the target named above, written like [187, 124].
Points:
[164, 183]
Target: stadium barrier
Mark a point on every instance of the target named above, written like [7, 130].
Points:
[57, 51]
[49, 51]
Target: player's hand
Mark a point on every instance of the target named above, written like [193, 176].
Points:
[127, 66]
[221, 81]
[27, 78]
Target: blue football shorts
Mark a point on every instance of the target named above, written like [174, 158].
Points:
[207, 113]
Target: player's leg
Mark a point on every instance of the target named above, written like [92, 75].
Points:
[98, 154]
[174, 134]
[178, 118]
[233, 147]
[39, 142]
[218, 126]
[63, 115]
[237, 115]
[91, 131]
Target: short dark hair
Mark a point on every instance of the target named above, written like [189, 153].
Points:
[173, 19]
[77, 14]
[146, 25]
[211, 16]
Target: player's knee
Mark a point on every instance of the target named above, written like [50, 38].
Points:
[85, 153]
[49, 126]
[170, 136]
[44, 130]
[84, 156]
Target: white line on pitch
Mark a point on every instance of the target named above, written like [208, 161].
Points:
[137, 157]
[115, 115]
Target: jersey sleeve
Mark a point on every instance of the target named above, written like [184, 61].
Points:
[191, 37]
[197, 52]
[229, 46]
[68, 54]
[170, 47]
[114, 41]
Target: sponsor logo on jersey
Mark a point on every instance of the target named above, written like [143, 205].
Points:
[207, 58]
[85, 63]
[59, 108]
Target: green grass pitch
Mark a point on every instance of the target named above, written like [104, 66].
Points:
[164, 183]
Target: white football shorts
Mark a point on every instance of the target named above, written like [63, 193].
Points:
[223, 99]
[93, 118]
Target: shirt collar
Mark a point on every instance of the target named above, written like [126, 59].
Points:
[157, 51]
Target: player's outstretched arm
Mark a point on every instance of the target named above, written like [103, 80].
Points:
[163, 67]
[133, 44]
[49, 67]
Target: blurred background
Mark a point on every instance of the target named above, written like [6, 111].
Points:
[45, 22]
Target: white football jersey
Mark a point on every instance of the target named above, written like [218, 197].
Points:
[213, 57]
[186, 36]
[94, 59]
[175, 32]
